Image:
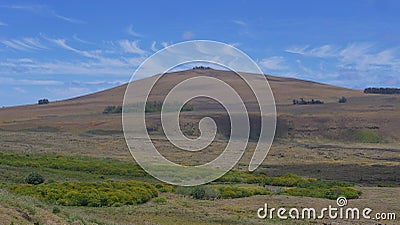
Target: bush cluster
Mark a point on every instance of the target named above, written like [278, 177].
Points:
[199, 192]
[110, 193]
[84, 164]
[43, 101]
[112, 109]
[34, 178]
[301, 101]
[329, 193]
[221, 191]
[241, 192]
[301, 187]
[156, 106]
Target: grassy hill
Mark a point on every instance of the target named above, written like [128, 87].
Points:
[330, 120]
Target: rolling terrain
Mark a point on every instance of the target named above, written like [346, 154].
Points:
[357, 141]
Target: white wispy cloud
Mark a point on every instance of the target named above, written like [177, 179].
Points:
[58, 67]
[356, 65]
[68, 92]
[131, 47]
[239, 22]
[68, 19]
[42, 10]
[323, 51]
[3, 24]
[133, 33]
[355, 50]
[63, 44]
[153, 46]
[109, 61]
[20, 90]
[165, 44]
[358, 56]
[273, 63]
[24, 44]
[188, 35]
[76, 38]
[27, 82]
[98, 82]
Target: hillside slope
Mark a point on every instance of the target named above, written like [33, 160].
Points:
[360, 112]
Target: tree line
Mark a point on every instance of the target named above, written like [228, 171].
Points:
[373, 90]
[201, 68]
[301, 101]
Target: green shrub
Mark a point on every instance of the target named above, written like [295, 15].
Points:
[211, 193]
[34, 178]
[199, 192]
[159, 200]
[156, 106]
[165, 188]
[92, 194]
[56, 210]
[240, 192]
[186, 191]
[112, 109]
[368, 136]
[222, 191]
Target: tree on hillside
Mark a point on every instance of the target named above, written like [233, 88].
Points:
[43, 101]
[342, 100]
[34, 178]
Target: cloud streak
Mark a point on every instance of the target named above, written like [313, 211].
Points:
[131, 32]
[359, 56]
[273, 63]
[187, 35]
[131, 47]
[24, 44]
[42, 10]
[153, 46]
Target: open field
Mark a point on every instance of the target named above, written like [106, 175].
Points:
[73, 141]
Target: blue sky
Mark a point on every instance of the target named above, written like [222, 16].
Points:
[62, 49]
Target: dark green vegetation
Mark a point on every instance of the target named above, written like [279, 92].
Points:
[34, 178]
[301, 101]
[152, 106]
[342, 100]
[221, 191]
[329, 193]
[372, 90]
[112, 109]
[300, 186]
[368, 136]
[156, 106]
[93, 194]
[74, 163]
[228, 186]
[43, 101]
